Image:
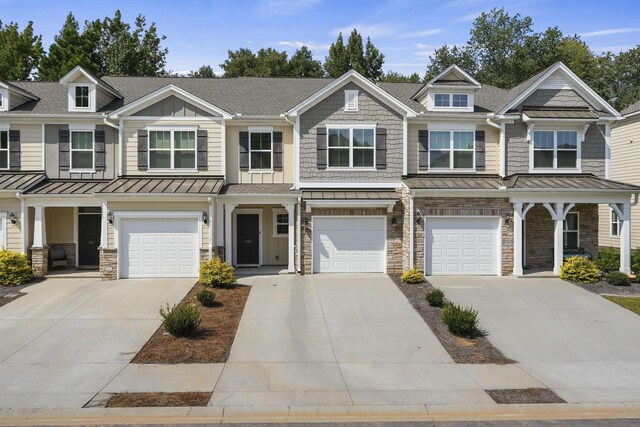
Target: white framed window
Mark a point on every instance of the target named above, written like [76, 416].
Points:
[350, 100]
[351, 146]
[81, 96]
[172, 149]
[1, 100]
[4, 149]
[450, 149]
[260, 150]
[555, 149]
[614, 229]
[571, 231]
[451, 100]
[82, 150]
[280, 223]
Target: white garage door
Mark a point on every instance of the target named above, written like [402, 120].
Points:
[159, 248]
[456, 246]
[348, 244]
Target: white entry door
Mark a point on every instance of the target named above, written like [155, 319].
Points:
[349, 244]
[462, 246]
[159, 247]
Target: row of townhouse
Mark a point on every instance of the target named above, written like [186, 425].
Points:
[146, 177]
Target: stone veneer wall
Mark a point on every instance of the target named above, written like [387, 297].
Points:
[459, 206]
[539, 233]
[40, 261]
[108, 264]
[394, 233]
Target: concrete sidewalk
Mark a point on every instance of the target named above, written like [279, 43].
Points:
[582, 346]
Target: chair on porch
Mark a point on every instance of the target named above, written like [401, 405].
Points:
[57, 258]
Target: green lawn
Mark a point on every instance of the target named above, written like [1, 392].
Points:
[630, 303]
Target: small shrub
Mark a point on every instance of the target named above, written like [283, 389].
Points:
[608, 260]
[180, 320]
[14, 268]
[412, 276]
[580, 269]
[461, 321]
[617, 278]
[435, 298]
[635, 261]
[215, 272]
[206, 298]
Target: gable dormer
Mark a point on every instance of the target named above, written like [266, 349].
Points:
[12, 96]
[87, 93]
[453, 90]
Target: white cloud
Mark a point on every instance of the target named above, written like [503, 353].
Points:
[468, 18]
[366, 30]
[284, 7]
[459, 4]
[618, 48]
[416, 34]
[610, 32]
[310, 45]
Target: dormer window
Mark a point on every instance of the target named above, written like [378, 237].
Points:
[1, 100]
[350, 100]
[82, 96]
[451, 100]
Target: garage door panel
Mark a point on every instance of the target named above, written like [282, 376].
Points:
[159, 248]
[348, 244]
[461, 246]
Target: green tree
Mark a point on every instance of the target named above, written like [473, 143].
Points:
[445, 56]
[302, 64]
[355, 53]
[626, 70]
[20, 52]
[69, 49]
[337, 63]
[395, 77]
[204, 71]
[373, 60]
[272, 63]
[240, 63]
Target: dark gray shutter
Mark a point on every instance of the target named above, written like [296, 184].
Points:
[14, 150]
[423, 149]
[63, 149]
[244, 151]
[277, 151]
[143, 150]
[321, 133]
[381, 148]
[203, 143]
[99, 150]
[480, 150]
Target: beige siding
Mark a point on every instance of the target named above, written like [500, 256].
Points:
[492, 148]
[275, 250]
[131, 145]
[59, 223]
[625, 157]
[30, 146]
[14, 231]
[102, 98]
[236, 176]
[158, 207]
[81, 78]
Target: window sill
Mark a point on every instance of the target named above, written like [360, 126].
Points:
[280, 235]
[351, 169]
[552, 171]
[82, 171]
[172, 170]
[435, 171]
[260, 171]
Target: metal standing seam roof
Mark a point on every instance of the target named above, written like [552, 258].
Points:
[20, 181]
[355, 194]
[68, 186]
[567, 182]
[562, 114]
[189, 185]
[265, 189]
[454, 182]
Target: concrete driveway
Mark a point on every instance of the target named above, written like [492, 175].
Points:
[585, 348]
[334, 339]
[65, 340]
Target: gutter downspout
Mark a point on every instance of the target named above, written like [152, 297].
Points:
[120, 129]
[503, 146]
[411, 230]
[299, 234]
[637, 199]
[24, 219]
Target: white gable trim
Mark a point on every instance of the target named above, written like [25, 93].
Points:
[351, 76]
[476, 84]
[163, 93]
[71, 76]
[581, 87]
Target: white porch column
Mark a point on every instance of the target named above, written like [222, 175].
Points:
[558, 246]
[212, 223]
[518, 219]
[103, 225]
[625, 239]
[219, 223]
[292, 253]
[228, 235]
[39, 228]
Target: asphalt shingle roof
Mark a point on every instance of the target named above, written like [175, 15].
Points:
[633, 108]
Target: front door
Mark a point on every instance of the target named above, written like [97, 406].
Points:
[88, 237]
[247, 239]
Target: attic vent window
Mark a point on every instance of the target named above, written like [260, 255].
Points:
[82, 96]
[350, 100]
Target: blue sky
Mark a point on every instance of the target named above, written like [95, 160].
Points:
[406, 31]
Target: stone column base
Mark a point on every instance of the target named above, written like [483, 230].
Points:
[108, 264]
[40, 261]
[204, 255]
[218, 251]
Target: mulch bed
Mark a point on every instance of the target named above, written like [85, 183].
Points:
[603, 287]
[141, 400]
[524, 396]
[211, 342]
[462, 350]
